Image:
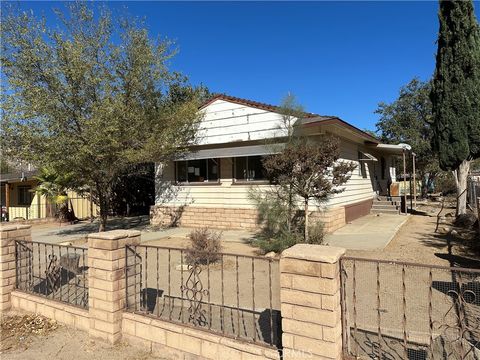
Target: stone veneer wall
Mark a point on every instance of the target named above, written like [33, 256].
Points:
[63, 313]
[309, 294]
[174, 341]
[228, 218]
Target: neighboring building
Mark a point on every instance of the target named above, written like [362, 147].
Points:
[209, 186]
[20, 202]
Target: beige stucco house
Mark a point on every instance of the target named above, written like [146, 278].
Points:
[209, 185]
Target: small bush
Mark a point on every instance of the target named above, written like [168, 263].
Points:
[205, 246]
[281, 241]
[316, 233]
[445, 183]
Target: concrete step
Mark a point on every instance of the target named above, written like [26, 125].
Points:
[385, 207]
[385, 202]
[388, 198]
[384, 211]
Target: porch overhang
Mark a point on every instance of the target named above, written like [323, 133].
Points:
[392, 149]
[251, 150]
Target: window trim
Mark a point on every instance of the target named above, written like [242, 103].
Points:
[245, 181]
[196, 183]
[29, 195]
[361, 166]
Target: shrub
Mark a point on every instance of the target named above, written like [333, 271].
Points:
[281, 241]
[317, 233]
[205, 246]
[445, 183]
[272, 211]
[273, 216]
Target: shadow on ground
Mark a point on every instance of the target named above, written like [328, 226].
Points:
[136, 223]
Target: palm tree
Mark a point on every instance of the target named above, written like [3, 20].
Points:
[54, 186]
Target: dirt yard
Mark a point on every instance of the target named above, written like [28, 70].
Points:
[418, 242]
[28, 340]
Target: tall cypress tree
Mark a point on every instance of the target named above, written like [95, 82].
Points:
[455, 93]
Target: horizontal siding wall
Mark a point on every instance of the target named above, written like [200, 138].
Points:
[228, 195]
[357, 188]
[226, 122]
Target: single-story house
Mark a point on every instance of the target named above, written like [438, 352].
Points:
[209, 185]
[20, 202]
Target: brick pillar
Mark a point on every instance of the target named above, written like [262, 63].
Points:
[8, 235]
[106, 281]
[310, 298]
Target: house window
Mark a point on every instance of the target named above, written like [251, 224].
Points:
[361, 166]
[197, 171]
[25, 195]
[249, 168]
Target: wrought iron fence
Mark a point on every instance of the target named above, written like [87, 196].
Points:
[57, 272]
[234, 295]
[398, 310]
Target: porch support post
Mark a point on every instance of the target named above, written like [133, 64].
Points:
[414, 181]
[404, 181]
[7, 200]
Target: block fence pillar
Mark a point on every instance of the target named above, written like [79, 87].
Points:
[106, 281]
[8, 235]
[310, 302]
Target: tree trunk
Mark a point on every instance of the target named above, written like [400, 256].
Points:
[306, 221]
[103, 203]
[290, 206]
[461, 174]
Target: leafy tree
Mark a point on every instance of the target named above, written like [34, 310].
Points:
[311, 170]
[408, 120]
[455, 93]
[291, 111]
[92, 97]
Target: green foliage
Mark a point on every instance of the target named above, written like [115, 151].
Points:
[455, 91]
[282, 240]
[272, 210]
[445, 183]
[278, 230]
[408, 120]
[316, 233]
[92, 97]
[54, 187]
[205, 246]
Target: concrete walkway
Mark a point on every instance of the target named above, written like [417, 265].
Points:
[370, 232]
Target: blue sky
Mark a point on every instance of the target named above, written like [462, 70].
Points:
[338, 58]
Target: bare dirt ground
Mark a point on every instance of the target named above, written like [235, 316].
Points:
[418, 242]
[232, 247]
[25, 342]
[416, 301]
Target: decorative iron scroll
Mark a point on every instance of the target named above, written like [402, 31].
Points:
[53, 274]
[460, 325]
[194, 292]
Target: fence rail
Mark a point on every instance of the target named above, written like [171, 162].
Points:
[235, 295]
[399, 310]
[57, 272]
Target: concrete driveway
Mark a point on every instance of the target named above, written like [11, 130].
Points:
[55, 233]
[371, 232]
